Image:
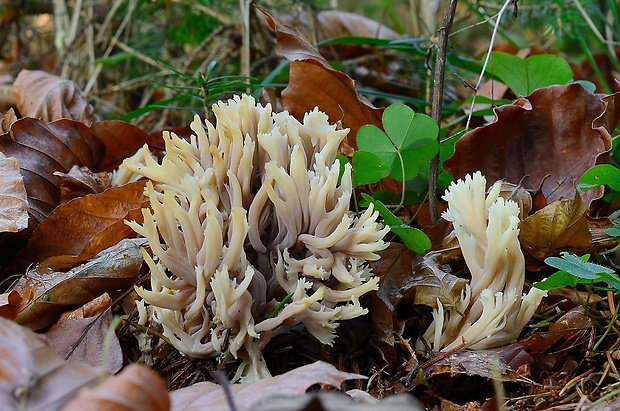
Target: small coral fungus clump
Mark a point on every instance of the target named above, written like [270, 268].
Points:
[251, 233]
[492, 310]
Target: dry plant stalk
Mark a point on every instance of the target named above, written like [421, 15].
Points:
[245, 214]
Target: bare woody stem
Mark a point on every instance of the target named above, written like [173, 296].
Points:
[438, 82]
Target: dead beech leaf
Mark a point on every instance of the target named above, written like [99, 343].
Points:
[422, 284]
[79, 229]
[9, 304]
[314, 83]
[48, 97]
[7, 119]
[206, 395]
[32, 376]
[550, 137]
[560, 226]
[79, 335]
[46, 293]
[13, 197]
[136, 388]
[510, 363]
[122, 140]
[80, 181]
[338, 401]
[43, 149]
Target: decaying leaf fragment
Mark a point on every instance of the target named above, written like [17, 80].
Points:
[45, 148]
[559, 226]
[206, 395]
[13, 197]
[48, 97]
[79, 335]
[549, 138]
[79, 229]
[46, 294]
[314, 83]
[33, 376]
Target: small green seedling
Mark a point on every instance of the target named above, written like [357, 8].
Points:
[577, 270]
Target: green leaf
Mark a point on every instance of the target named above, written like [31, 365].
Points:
[525, 76]
[413, 238]
[559, 279]
[410, 136]
[579, 267]
[367, 168]
[601, 174]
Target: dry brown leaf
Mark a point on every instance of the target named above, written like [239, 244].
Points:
[7, 119]
[13, 197]
[136, 388]
[121, 140]
[47, 97]
[81, 228]
[9, 304]
[46, 294]
[560, 226]
[510, 363]
[80, 335]
[32, 376]
[206, 395]
[428, 282]
[548, 137]
[80, 181]
[314, 83]
[337, 401]
[43, 149]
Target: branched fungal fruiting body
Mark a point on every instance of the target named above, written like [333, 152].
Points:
[243, 215]
[493, 310]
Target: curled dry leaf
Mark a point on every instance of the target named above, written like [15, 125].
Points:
[13, 197]
[559, 226]
[551, 137]
[136, 388]
[206, 395]
[121, 141]
[314, 83]
[79, 229]
[43, 149]
[80, 335]
[48, 97]
[46, 294]
[9, 304]
[80, 181]
[33, 377]
[430, 281]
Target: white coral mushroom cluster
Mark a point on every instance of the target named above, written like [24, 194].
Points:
[247, 214]
[493, 309]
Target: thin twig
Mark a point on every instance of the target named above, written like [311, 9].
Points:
[438, 81]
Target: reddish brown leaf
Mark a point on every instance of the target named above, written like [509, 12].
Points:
[47, 293]
[560, 226]
[547, 137]
[47, 97]
[43, 149]
[136, 388]
[121, 140]
[79, 335]
[32, 376]
[80, 181]
[81, 228]
[13, 197]
[9, 304]
[206, 395]
[314, 83]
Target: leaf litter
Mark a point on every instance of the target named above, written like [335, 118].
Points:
[84, 267]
